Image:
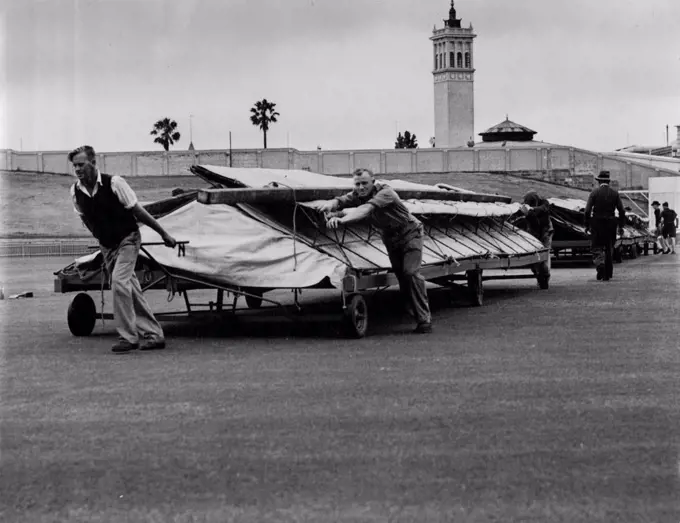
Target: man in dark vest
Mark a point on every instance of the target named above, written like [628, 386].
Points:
[602, 204]
[402, 234]
[109, 209]
[540, 226]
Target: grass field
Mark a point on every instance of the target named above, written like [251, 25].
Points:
[38, 204]
[540, 406]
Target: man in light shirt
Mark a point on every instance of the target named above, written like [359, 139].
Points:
[401, 232]
[109, 209]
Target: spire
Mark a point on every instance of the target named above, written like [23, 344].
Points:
[452, 21]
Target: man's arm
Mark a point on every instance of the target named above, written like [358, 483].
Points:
[622, 211]
[355, 214]
[128, 198]
[588, 210]
[144, 217]
[338, 203]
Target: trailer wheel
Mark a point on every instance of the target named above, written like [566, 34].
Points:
[475, 287]
[634, 251]
[82, 315]
[255, 301]
[355, 318]
[543, 282]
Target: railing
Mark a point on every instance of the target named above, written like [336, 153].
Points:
[30, 248]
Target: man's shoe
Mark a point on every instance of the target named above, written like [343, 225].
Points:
[600, 274]
[124, 346]
[152, 344]
[423, 328]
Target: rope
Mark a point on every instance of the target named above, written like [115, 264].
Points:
[295, 208]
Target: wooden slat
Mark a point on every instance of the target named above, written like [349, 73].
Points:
[269, 195]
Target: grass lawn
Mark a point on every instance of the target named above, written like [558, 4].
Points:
[540, 406]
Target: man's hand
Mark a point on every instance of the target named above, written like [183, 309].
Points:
[524, 208]
[169, 240]
[327, 206]
[333, 222]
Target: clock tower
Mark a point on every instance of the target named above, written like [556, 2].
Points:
[454, 80]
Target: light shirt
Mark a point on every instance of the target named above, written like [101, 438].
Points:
[119, 186]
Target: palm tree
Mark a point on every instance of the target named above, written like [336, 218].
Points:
[263, 114]
[165, 132]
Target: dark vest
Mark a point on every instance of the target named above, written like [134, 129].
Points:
[110, 221]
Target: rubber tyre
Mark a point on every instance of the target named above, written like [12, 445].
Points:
[634, 251]
[475, 287]
[543, 282]
[254, 302]
[355, 320]
[82, 315]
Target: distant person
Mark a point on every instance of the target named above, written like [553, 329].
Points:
[669, 226]
[539, 225]
[602, 204]
[402, 234]
[660, 242]
[109, 209]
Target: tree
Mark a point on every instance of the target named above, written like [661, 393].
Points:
[263, 114]
[407, 141]
[166, 133]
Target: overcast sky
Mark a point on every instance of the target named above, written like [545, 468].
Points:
[597, 74]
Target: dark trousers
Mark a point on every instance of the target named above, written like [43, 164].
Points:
[543, 268]
[406, 259]
[602, 240]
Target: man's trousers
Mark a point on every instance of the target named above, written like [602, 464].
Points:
[543, 268]
[131, 312]
[406, 259]
[602, 240]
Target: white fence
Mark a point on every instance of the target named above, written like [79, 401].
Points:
[29, 248]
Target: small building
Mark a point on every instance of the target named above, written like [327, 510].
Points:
[508, 131]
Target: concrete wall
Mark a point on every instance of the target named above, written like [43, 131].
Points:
[560, 164]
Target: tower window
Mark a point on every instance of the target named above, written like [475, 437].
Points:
[452, 60]
[460, 60]
[467, 60]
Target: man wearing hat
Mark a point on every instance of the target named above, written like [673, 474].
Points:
[539, 225]
[602, 204]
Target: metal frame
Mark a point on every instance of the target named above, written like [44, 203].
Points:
[355, 282]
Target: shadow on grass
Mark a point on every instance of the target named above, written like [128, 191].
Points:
[323, 318]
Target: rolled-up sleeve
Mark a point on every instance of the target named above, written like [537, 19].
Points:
[347, 200]
[384, 197]
[123, 191]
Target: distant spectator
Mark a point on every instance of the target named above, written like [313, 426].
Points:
[669, 225]
[660, 242]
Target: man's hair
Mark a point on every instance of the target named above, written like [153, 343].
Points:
[655, 203]
[532, 199]
[665, 204]
[87, 149]
[362, 170]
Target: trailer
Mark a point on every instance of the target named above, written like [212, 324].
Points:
[248, 242]
[571, 240]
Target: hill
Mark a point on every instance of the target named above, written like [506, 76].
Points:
[38, 204]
